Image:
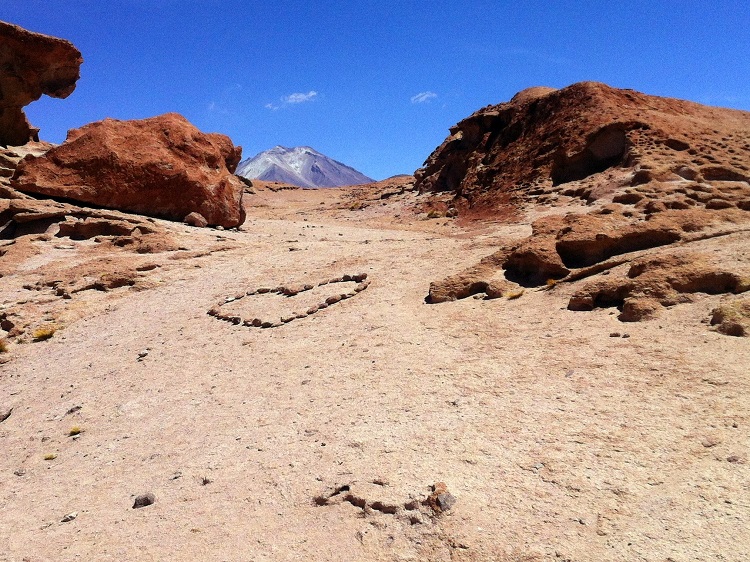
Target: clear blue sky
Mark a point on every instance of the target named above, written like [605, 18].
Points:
[375, 84]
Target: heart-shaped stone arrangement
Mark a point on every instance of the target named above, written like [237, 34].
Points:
[289, 291]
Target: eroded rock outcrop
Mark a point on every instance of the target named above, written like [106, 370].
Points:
[641, 177]
[544, 139]
[658, 281]
[31, 64]
[162, 167]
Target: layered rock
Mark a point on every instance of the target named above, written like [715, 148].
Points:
[647, 181]
[162, 167]
[544, 139]
[31, 64]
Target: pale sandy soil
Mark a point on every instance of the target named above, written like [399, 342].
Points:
[558, 441]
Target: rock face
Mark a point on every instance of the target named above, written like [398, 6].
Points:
[162, 166]
[31, 64]
[543, 139]
[647, 182]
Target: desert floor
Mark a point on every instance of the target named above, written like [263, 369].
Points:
[320, 439]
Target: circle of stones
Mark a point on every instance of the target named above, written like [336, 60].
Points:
[289, 291]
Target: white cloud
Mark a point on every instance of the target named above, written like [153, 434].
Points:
[299, 98]
[423, 97]
[292, 99]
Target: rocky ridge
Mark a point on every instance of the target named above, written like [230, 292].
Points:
[651, 176]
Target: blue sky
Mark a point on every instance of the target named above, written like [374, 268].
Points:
[371, 83]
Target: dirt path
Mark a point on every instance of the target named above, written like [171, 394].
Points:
[558, 440]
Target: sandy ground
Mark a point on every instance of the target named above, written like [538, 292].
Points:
[558, 440]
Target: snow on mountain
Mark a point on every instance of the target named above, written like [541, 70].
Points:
[301, 166]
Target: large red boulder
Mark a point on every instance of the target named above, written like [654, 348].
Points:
[162, 167]
[31, 64]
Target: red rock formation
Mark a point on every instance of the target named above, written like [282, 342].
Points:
[641, 175]
[31, 64]
[543, 139]
[162, 166]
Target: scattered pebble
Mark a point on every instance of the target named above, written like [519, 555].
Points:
[5, 415]
[69, 517]
[144, 500]
[440, 500]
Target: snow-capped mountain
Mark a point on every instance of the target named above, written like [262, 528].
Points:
[301, 166]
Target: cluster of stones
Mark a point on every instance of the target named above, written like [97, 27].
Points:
[360, 279]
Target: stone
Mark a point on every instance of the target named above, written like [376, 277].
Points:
[32, 65]
[4, 415]
[195, 219]
[144, 500]
[440, 500]
[69, 517]
[333, 299]
[162, 167]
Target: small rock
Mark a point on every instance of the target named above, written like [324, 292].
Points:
[440, 500]
[196, 219]
[709, 442]
[735, 459]
[144, 500]
[5, 415]
[626, 335]
[73, 410]
[446, 501]
[142, 354]
[614, 335]
[20, 472]
[69, 517]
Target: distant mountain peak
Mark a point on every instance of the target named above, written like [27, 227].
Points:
[300, 165]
